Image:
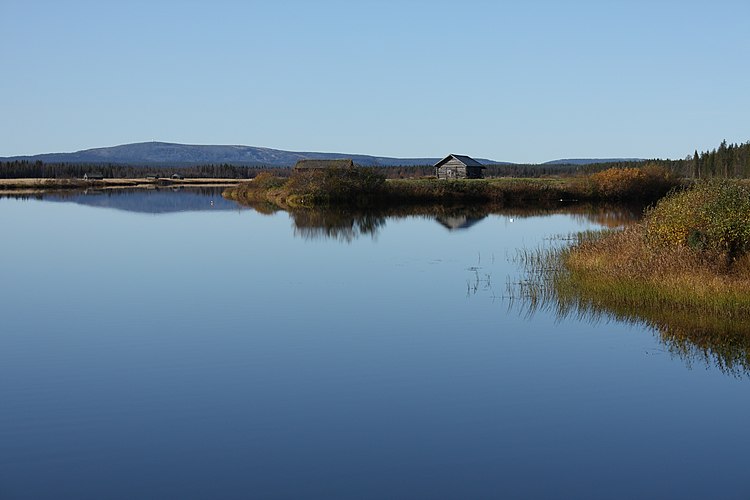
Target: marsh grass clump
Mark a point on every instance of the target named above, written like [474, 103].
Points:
[690, 252]
[697, 303]
[684, 271]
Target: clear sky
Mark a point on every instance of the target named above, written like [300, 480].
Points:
[522, 81]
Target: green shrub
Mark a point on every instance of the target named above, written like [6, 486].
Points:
[709, 217]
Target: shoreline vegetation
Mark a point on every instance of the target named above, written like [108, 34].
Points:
[363, 187]
[684, 270]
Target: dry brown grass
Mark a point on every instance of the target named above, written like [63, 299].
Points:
[620, 268]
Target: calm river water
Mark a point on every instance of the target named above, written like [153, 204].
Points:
[171, 345]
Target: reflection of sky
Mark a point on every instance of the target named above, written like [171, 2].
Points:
[150, 200]
[191, 350]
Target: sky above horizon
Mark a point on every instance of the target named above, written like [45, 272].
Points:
[525, 82]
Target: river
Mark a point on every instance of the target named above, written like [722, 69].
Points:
[173, 345]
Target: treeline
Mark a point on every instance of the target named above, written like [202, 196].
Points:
[22, 169]
[726, 161]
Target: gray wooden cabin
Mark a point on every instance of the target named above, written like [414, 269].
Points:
[317, 165]
[459, 167]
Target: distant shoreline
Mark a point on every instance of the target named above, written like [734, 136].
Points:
[44, 185]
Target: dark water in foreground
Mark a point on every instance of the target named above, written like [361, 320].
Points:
[222, 353]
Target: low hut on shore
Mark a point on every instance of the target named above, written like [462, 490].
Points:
[459, 167]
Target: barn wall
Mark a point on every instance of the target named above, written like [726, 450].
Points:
[454, 165]
[474, 173]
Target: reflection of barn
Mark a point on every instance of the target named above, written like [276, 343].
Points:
[455, 222]
[317, 165]
[458, 167]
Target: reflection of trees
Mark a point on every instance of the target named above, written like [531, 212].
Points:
[343, 225]
[348, 222]
[611, 216]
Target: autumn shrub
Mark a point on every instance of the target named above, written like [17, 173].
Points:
[266, 180]
[336, 184]
[710, 217]
[648, 182]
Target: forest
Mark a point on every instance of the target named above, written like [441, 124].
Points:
[725, 161]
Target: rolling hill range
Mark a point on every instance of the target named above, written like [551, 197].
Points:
[163, 153]
[176, 155]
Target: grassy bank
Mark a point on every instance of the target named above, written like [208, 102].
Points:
[684, 270]
[690, 253]
[364, 186]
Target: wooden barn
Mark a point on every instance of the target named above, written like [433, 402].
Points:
[459, 167]
[316, 165]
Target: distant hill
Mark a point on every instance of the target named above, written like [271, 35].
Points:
[589, 161]
[164, 153]
[185, 155]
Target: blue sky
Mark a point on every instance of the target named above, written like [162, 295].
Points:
[516, 81]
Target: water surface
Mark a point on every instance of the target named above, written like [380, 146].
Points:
[203, 353]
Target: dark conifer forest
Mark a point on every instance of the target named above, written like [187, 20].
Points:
[725, 161]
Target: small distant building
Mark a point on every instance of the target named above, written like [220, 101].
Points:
[152, 176]
[317, 165]
[459, 167]
[92, 177]
[178, 176]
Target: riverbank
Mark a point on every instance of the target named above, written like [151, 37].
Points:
[38, 185]
[362, 186]
[686, 266]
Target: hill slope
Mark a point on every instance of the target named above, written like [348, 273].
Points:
[182, 155]
[155, 153]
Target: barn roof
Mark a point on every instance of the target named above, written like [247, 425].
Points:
[466, 160]
[321, 164]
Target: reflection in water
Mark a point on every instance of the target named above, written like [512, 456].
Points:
[152, 200]
[710, 341]
[343, 225]
[718, 341]
[456, 222]
[349, 223]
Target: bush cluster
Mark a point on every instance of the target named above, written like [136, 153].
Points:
[336, 184]
[648, 182]
[709, 217]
